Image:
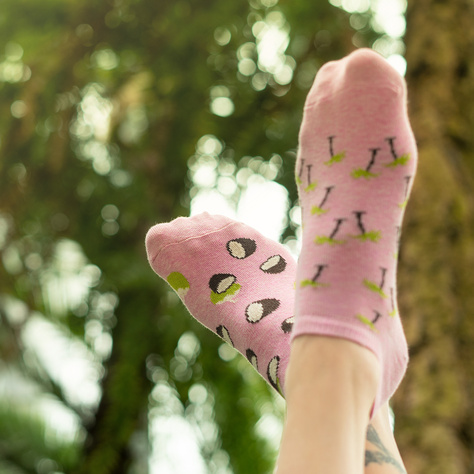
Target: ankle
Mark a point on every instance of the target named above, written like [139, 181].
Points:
[330, 389]
[332, 370]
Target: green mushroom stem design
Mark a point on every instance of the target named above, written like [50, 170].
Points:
[403, 204]
[370, 323]
[397, 160]
[394, 311]
[299, 178]
[373, 235]
[322, 239]
[178, 282]
[335, 158]
[311, 185]
[366, 173]
[223, 288]
[313, 282]
[319, 209]
[370, 285]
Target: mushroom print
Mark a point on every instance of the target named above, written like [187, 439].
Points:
[275, 264]
[259, 309]
[397, 160]
[287, 324]
[224, 334]
[223, 288]
[272, 374]
[322, 239]
[252, 357]
[368, 322]
[179, 283]
[335, 158]
[241, 248]
[373, 235]
[377, 287]
[366, 173]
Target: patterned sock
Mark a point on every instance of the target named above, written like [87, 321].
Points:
[234, 281]
[355, 168]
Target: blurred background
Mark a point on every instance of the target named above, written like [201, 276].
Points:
[119, 114]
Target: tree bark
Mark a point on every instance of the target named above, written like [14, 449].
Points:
[435, 404]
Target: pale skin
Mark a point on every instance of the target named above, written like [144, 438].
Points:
[330, 388]
[381, 451]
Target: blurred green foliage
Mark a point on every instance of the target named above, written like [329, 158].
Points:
[101, 107]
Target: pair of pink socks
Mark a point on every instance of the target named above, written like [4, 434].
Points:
[355, 168]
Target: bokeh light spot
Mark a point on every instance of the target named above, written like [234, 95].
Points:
[222, 106]
[222, 36]
[110, 212]
[19, 109]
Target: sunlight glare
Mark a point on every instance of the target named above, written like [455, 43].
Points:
[389, 17]
[263, 206]
[399, 63]
[68, 361]
[272, 42]
[353, 6]
[213, 202]
[175, 449]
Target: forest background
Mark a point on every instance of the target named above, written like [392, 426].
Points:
[118, 114]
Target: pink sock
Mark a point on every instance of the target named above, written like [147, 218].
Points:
[356, 163]
[233, 280]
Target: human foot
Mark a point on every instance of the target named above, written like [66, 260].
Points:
[355, 168]
[203, 237]
[234, 281]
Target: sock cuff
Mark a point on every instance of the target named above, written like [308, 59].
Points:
[327, 326]
[391, 375]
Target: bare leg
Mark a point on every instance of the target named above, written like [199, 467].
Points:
[381, 451]
[330, 389]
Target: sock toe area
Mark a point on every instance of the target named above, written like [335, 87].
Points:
[181, 229]
[367, 66]
[364, 68]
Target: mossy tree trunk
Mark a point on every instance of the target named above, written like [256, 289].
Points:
[435, 404]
